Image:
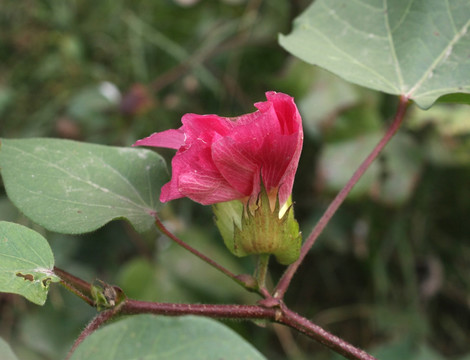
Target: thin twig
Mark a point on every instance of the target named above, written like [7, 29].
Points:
[75, 285]
[164, 230]
[317, 333]
[262, 270]
[285, 280]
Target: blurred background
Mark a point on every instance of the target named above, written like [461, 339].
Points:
[391, 272]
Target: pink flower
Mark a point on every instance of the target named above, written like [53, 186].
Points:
[221, 159]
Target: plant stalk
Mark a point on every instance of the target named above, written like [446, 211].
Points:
[75, 285]
[262, 270]
[280, 314]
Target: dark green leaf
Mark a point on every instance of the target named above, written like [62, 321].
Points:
[73, 187]
[455, 98]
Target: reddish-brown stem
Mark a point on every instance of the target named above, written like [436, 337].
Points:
[200, 255]
[285, 280]
[76, 285]
[317, 333]
[214, 311]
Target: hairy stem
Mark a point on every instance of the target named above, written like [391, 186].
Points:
[214, 311]
[280, 314]
[285, 280]
[97, 321]
[317, 333]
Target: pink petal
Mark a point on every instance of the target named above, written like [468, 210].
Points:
[237, 156]
[204, 127]
[275, 157]
[265, 141]
[236, 164]
[195, 176]
[286, 110]
[172, 139]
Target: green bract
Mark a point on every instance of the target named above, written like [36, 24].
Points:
[259, 230]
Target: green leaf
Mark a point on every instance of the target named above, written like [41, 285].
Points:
[73, 187]
[416, 48]
[150, 337]
[455, 98]
[26, 263]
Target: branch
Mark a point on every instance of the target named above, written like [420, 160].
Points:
[248, 312]
[285, 280]
[280, 314]
[317, 333]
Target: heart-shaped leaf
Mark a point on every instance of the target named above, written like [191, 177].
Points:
[150, 337]
[26, 263]
[416, 48]
[72, 187]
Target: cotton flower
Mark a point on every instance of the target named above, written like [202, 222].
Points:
[221, 159]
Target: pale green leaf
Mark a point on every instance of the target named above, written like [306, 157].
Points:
[416, 48]
[5, 350]
[72, 187]
[157, 338]
[26, 263]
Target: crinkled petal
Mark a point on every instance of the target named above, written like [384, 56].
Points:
[195, 176]
[262, 144]
[275, 156]
[237, 156]
[236, 163]
[204, 127]
[286, 111]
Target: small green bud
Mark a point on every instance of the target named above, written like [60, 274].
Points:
[106, 296]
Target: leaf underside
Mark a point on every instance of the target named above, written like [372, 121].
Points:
[416, 48]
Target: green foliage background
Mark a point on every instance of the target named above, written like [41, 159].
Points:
[390, 273]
